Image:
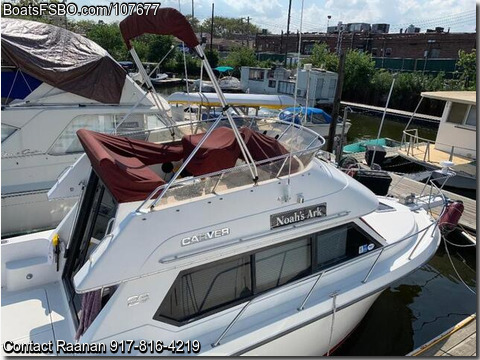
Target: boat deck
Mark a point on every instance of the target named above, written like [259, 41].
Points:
[432, 155]
[460, 340]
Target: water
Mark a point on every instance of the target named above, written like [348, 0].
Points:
[366, 127]
[422, 305]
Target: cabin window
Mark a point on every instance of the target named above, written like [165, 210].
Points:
[7, 131]
[213, 287]
[338, 245]
[68, 143]
[207, 288]
[256, 74]
[471, 119]
[457, 113]
[286, 87]
[272, 83]
[281, 264]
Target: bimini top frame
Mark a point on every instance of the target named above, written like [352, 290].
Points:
[169, 21]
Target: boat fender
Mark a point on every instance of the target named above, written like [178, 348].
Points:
[451, 216]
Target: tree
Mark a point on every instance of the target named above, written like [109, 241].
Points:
[108, 37]
[359, 69]
[229, 28]
[212, 57]
[158, 46]
[467, 62]
[322, 58]
[238, 57]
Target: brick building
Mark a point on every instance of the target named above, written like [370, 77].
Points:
[435, 45]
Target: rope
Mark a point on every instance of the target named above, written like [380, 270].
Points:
[334, 295]
[455, 269]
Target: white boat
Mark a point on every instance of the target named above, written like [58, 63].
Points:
[259, 246]
[84, 88]
[455, 145]
[208, 105]
[158, 79]
[315, 119]
[230, 84]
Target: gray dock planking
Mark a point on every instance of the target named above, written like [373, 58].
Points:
[460, 340]
[397, 112]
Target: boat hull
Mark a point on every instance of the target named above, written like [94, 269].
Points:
[313, 339]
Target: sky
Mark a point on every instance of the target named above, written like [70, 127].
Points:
[458, 15]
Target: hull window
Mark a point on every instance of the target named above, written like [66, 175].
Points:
[213, 287]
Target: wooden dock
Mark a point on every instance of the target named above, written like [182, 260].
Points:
[460, 340]
[402, 185]
[396, 112]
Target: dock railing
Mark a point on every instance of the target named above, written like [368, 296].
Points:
[411, 141]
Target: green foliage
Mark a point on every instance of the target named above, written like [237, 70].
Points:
[238, 57]
[321, 57]
[359, 69]
[108, 36]
[158, 46]
[228, 28]
[213, 57]
[467, 62]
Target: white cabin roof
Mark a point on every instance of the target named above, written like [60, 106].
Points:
[464, 97]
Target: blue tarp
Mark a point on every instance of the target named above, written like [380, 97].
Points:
[310, 111]
[18, 86]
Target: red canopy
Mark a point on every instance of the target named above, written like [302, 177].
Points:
[122, 163]
[260, 146]
[219, 151]
[166, 21]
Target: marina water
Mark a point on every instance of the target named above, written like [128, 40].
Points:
[430, 300]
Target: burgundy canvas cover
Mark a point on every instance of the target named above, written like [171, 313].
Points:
[122, 163]
[166, 21]
[261, 146]
[62, 59]
[220, 151]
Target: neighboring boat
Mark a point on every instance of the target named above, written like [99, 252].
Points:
[260, 245]
[209, 105]
[455, 143]
[202, 86]
[56, 83]
[314, 119]
[228, 83]
[158, 79]
[361, 146]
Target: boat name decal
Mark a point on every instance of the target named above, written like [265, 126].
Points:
[209, 235]
[298, 215]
